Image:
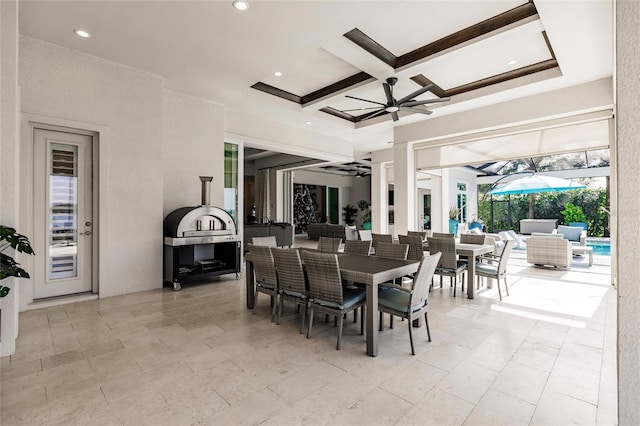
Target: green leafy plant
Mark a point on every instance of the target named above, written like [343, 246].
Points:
[454, 212]
[573, 213]
[8, 266]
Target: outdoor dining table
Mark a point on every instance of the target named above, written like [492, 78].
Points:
[368, 270]
[471, 252]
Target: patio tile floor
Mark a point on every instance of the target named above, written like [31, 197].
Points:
[545, 355]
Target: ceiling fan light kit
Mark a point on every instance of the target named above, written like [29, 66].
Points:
[393, 105]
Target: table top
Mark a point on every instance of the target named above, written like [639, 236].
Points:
[466, 249]
[372, 269]
[369, 269]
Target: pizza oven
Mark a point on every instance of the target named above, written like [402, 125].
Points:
[200, 242]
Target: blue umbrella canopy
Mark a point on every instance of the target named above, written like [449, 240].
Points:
[534, 184]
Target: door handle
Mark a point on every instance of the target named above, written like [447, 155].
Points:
[86, 233]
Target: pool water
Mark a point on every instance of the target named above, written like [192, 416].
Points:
[600, 249]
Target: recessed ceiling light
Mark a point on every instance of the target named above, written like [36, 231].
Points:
[277, 74]
[82, 33]
[241, 4]
[307, 122]
[512, 62]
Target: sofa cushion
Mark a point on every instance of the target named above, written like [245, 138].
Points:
[571, 233]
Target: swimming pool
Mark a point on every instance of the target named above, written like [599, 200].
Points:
[600, 249]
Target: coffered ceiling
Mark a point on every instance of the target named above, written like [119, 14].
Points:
[477, 52]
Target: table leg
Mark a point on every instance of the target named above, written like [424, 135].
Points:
[471, 272]
[248, 277]
[372, 320]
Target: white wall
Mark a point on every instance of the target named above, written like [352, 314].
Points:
[336, 181]
[62, 83]
[9, 163]
[193, 146]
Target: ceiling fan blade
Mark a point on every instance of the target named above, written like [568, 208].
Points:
[394, 115]
[428, 101]
[416, 93]
[360, 109]
[388, 92]
[366, 100]
[375, 114]
[421, 111]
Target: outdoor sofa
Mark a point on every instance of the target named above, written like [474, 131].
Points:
[549, 249]
[317, 230]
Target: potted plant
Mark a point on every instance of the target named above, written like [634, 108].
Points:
[454, 212]
[348, 213]
[8, 266]
[363, 205]
[574, 216]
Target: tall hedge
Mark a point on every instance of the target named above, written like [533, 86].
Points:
[548, 205]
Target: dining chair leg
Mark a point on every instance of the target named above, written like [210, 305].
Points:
[274, 308]
[355, 315]
[390, 321]
[413, 352]
[279, 312]
[362, 320]
[303, 312]
[506, 287]
[381, 322]
[426, 323]
[340, 320]
[499, 292]
[455, 285]
[310, 321]
[255, 300]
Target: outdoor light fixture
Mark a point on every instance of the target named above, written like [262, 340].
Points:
[241, 4]
[81, 33]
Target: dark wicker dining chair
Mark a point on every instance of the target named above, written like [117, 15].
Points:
[415, 246]
[327, 295]
[266, 280]
[291, 281]
[473, 239]
[329, 245]
[449, 265]
[392, 251]
[380, 238]
[269, 241]
[411, 303]
[357, 247]
[421, 234]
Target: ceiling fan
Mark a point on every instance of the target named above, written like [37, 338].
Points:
[393, 105]
[360, 174]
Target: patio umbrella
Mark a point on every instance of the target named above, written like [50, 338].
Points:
[534, 184]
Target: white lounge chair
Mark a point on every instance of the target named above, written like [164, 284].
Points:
[512, 236]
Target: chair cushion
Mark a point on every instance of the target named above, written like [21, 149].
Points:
[571, 233]
[486, 269]
[349, 298]
[397, 300]
[462, 265]
[294, 294]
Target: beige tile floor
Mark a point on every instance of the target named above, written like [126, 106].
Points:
[545, 355]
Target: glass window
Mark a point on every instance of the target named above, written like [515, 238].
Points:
[231, 179]
[462, 202]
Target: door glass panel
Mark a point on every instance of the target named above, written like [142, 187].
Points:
[63, 211]
[332, 195]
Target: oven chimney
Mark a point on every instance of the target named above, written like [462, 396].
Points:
[206, 189]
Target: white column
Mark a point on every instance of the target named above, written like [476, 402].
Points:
[379, 201]
[626, 206]
[404, 187]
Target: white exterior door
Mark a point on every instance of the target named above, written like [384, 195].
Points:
[63, 213]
